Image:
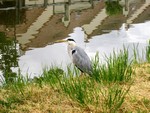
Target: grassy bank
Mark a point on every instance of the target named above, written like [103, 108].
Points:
[119, 85]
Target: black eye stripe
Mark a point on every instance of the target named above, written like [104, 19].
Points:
[69, 39]
[73, 51]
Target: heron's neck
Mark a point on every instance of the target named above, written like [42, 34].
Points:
[71, 45]
[70, 48]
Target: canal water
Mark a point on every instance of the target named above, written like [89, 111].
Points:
[28, 32]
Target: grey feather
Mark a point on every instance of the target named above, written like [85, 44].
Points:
[81, 60]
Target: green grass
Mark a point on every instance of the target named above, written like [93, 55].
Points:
[148, 52]
[146, 102]
[113, 97]
[80, 90]
[50, 76]
[106, 91]
[117, 68]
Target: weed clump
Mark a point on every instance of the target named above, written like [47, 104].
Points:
[116, 69]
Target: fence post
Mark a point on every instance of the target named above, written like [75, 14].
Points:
[17, 11]
[45, 3]
[92, 3]
[66, 17]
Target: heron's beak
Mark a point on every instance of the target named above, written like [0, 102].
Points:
[60, 41]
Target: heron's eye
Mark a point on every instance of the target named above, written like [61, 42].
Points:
[73, 51]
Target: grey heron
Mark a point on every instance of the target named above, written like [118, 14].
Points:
[78, 56]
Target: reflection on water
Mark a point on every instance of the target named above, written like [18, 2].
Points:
[94, 24]
[8, 58]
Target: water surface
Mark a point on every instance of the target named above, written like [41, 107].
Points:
[35, 28]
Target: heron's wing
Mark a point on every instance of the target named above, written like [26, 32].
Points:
[81, 59]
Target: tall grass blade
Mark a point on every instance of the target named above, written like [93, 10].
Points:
[116, 69]
[148, 52]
